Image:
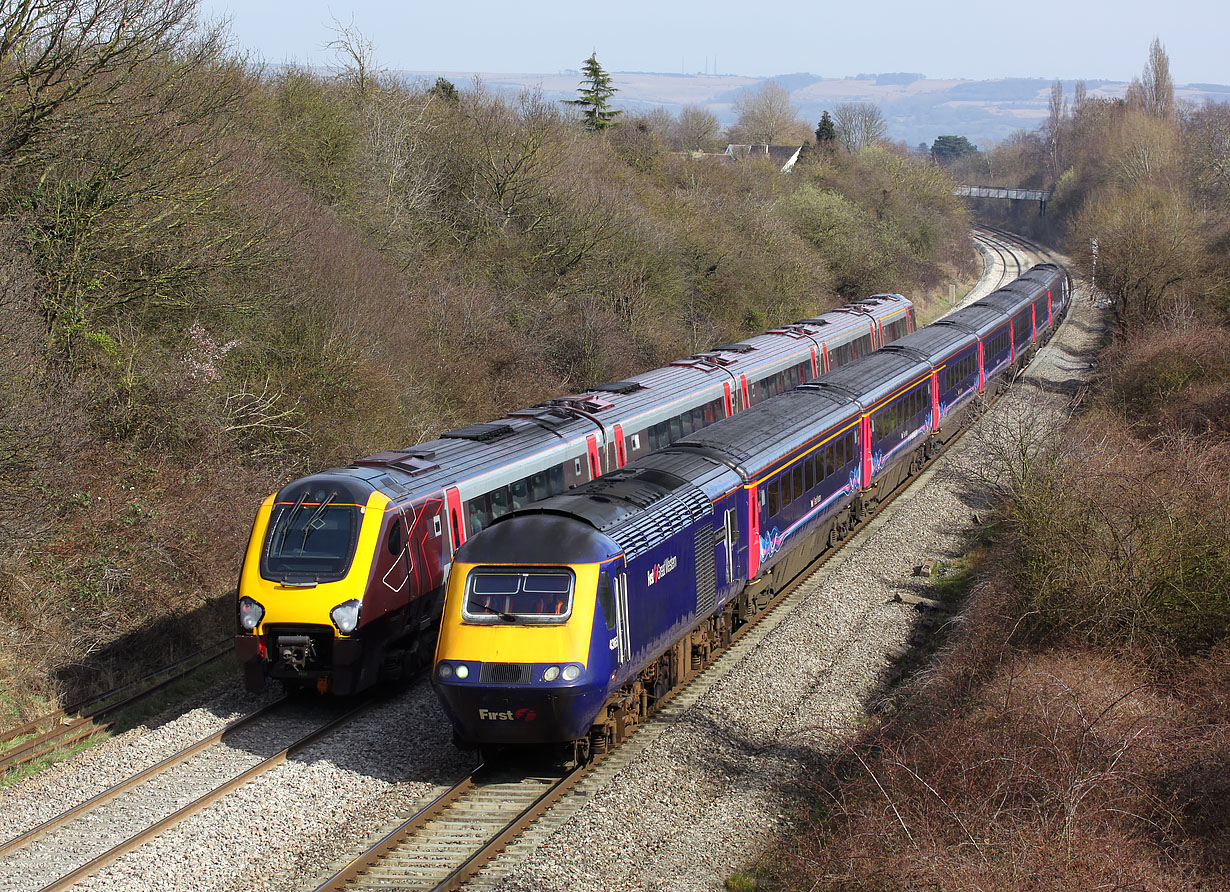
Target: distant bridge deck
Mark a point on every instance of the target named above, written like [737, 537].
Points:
[1039, 195]
[995, 192]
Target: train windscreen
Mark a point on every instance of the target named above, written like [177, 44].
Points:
[310, 541]
[518, 596]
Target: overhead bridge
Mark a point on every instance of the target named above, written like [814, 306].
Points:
[1039, 195]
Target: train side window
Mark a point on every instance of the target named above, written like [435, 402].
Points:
[397, 541]
[676, 429]
[771, 487]
[500, 503]
[809, 469]
[477, 516]
[556, 486]
[798, 480]
[538, 486]
[606, 599]
[840, 448]
[436, 528]
[520, 493]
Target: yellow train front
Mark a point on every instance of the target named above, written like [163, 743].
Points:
[526, 653]
[334, 586]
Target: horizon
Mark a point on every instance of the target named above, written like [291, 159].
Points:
[1100, 41]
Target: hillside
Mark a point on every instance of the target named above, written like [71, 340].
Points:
[917, 109]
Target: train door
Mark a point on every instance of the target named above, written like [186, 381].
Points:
[982, 366]
[398, 545]
[727, 543]
[815, 364]
[456, 522]
[595, 464]
[623, 648]
[827, 365]
[621, 455]
[747, 402]
[753, 532]
[727, 400]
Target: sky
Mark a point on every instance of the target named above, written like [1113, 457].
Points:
[1090, 39]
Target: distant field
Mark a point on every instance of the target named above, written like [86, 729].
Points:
[918, 109]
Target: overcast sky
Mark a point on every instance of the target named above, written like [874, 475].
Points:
[1089, 39]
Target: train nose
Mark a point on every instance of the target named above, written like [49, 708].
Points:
[539, 707]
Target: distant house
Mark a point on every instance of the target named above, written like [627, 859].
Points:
[782, 156]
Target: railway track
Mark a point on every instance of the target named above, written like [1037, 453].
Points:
[85, 838]
[456, 833]
[451, 842]
[56, 731]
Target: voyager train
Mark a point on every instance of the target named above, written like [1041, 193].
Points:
[566, 620]
[343, 579]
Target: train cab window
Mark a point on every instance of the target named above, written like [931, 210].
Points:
[310, 540]
[606, 599]
[531, 596]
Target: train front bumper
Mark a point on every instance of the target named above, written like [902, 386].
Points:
[539, 712]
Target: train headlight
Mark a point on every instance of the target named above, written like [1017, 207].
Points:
[462, 670]
[346, 616]
[250, 613]
[445, 670]
[551, 674]
[572, 673]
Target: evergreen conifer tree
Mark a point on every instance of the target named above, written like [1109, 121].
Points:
[826, 132]
[595, 91]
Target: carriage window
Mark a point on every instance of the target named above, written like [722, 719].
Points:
[771, 488]
[556, 485]
[501, 502]
[520, 493]
[497, 595]
[538, 486]
[809, 468]
[798, 480]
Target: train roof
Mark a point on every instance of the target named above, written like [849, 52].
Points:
[935, 343]
[979, 320]
[1007, 300]
[542, 538]
[635, 507]
[795, 418]
[872, 378]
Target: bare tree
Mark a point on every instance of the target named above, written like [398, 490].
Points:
[356, 55]
[766, 117]
[859, 125]
[57, 53]
[1153, 91]
[696, 129]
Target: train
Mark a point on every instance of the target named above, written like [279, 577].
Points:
[565, 621]
[342, 581]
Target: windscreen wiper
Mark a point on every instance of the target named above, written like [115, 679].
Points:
[507, 617]
[316, 515]
[290, 519]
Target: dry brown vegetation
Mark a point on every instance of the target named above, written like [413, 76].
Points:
[214, 277]
[1073, 729]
